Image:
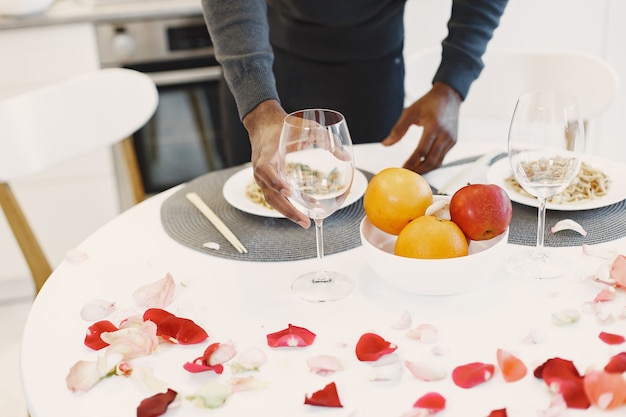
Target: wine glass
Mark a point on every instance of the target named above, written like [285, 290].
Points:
[315, 159]
[546, 143]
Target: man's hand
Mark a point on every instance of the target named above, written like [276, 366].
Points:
[438, 113]
[264, 124]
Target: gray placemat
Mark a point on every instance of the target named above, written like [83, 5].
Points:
[267, 239]
[602, 225]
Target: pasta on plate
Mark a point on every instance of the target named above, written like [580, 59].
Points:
[589, 184]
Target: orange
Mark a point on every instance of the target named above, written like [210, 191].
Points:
[429, 237]
[394, 197]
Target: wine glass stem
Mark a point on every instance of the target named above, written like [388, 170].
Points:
[321, 276]
[541, 226]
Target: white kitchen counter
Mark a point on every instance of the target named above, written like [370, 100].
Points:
[75, 11]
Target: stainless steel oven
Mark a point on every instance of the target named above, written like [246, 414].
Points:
[181, 140]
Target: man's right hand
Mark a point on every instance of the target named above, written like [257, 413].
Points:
[264, 124]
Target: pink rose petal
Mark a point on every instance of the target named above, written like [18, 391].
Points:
[618, 270]
[426, 371]
[324, 364]
[605, 390]
[158, 294]
[568, 224]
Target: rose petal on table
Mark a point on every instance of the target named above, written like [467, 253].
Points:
[211, 394]
[568, 224]
[76, 256]
[292, 336]
[472, 374]
[147, 378]
[370, 347]
[565, 317]
[536, 336]
[211, 245]
[133, 342]
[598, 251]
[611, 338]
[326, 397]
[618, 270]
[175, 329]
[324, 364]
[617, 364]
[425, 333]
[404, 322]
[431, 401]
[426, 371]
[606, 294]
[250, 359]
[498, 413]
[556, 408]
[158, 294]
[93, 338]
[96, 310]
[512, 367]
[156, 405]
[605, 390]
[220, 353]
[249, 383]
[83, 375]
[562, 377]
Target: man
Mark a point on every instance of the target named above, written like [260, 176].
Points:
[280, 56]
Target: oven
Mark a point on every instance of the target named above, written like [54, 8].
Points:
[180, 141]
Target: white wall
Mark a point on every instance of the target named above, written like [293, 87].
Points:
[592, 26]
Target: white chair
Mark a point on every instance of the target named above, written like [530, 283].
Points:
[44, 127]
[510, 72]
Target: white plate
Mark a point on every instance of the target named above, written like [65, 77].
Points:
[499, 171]
[235, 193]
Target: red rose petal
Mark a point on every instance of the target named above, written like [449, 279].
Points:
[326, 397]
[472, 374]
[371, 347]
[92, 338]
[513, 369]
[432, 401]
[156, 405]
[199, 366]
[292, 336]
[605, 390]
[562, 376]
[498, 413]
[617, 364]
[611, 339]
[156, 315]
[175, 329]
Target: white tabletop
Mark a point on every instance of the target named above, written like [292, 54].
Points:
[242, 302]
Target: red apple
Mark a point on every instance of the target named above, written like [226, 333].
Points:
[482, 211]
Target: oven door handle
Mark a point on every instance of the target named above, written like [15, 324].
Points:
[186, 76]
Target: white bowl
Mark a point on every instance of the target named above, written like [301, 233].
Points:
[431, 276]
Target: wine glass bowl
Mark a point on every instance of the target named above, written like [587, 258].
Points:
[546, 142]
[315, 158]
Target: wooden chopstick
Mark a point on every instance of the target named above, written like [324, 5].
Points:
[216, 221]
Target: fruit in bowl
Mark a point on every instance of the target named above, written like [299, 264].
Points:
[431, 276]
[432, 253]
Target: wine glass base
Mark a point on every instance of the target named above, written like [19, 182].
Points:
[309, 288]
[532, 265]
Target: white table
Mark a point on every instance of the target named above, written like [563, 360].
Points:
[244, 301]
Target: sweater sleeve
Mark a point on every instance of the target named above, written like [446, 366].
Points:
[470, 28]
[240, 35]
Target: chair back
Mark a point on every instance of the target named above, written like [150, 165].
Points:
[43, 127]
[508, 73]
